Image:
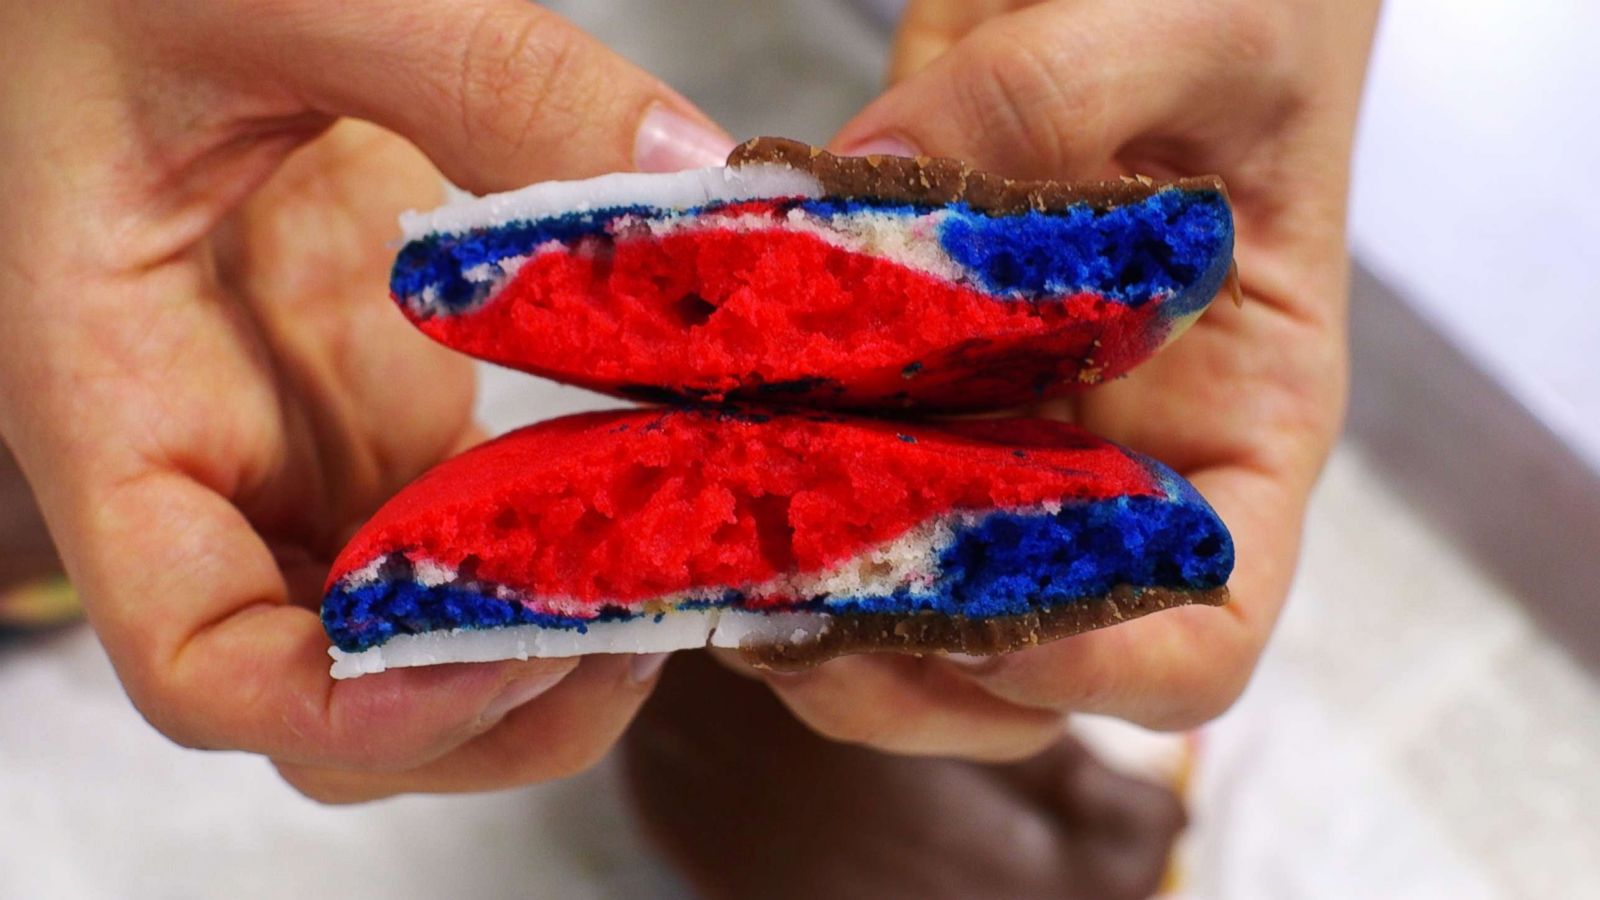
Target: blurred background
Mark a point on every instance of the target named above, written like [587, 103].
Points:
[1427, 720]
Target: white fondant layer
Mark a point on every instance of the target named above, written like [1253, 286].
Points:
[673, 190]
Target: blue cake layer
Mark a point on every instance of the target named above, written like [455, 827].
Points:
[1005, 564]
[1014, 563]
[1173, 242]
[1162, 245]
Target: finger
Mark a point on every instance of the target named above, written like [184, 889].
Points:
[497, 92]
[930, 27]
[1182, 667]
[196, 617]
[391, 401]
[560, 734]
[903, 704]
[1055, 90]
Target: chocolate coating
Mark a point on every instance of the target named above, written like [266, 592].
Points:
[935, 181]
[744, 801]
[920, 633]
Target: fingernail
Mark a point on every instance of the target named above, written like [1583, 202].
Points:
[669, 141]
[883, 145]
[646, 665]
[518, 693]
[974, 665]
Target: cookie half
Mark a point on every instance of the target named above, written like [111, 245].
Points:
[869, 283]
[792, 537]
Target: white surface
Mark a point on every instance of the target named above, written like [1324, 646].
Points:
[1410, 733]
[1476, 193]
[97, 806]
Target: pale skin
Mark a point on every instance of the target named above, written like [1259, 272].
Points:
[208, 392]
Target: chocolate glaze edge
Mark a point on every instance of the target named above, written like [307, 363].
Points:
[936, 181]
[927, 632]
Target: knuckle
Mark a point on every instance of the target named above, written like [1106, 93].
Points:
[1019, 92]
[1254, 33]
[518, 78]
[1248, 35]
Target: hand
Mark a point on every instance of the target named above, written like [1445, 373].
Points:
[1246, 405]
[204, 382]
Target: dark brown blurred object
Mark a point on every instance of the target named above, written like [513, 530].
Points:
[746, 802]
[32, 592]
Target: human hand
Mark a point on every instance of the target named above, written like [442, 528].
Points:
[1246, 405]
[204, 383]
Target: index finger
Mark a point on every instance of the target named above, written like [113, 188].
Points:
[497, 93]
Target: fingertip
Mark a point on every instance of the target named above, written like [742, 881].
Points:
[827, 675]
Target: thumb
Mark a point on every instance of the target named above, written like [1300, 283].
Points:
[497, 92]
[1057, 90]
[930, 27]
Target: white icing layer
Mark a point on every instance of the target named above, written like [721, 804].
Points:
[681, 630]
[673, 190]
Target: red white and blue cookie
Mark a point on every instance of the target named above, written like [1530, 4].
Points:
[790, 536]
[792, 274]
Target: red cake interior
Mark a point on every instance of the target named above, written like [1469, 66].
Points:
[634, 504]
[685, 310]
